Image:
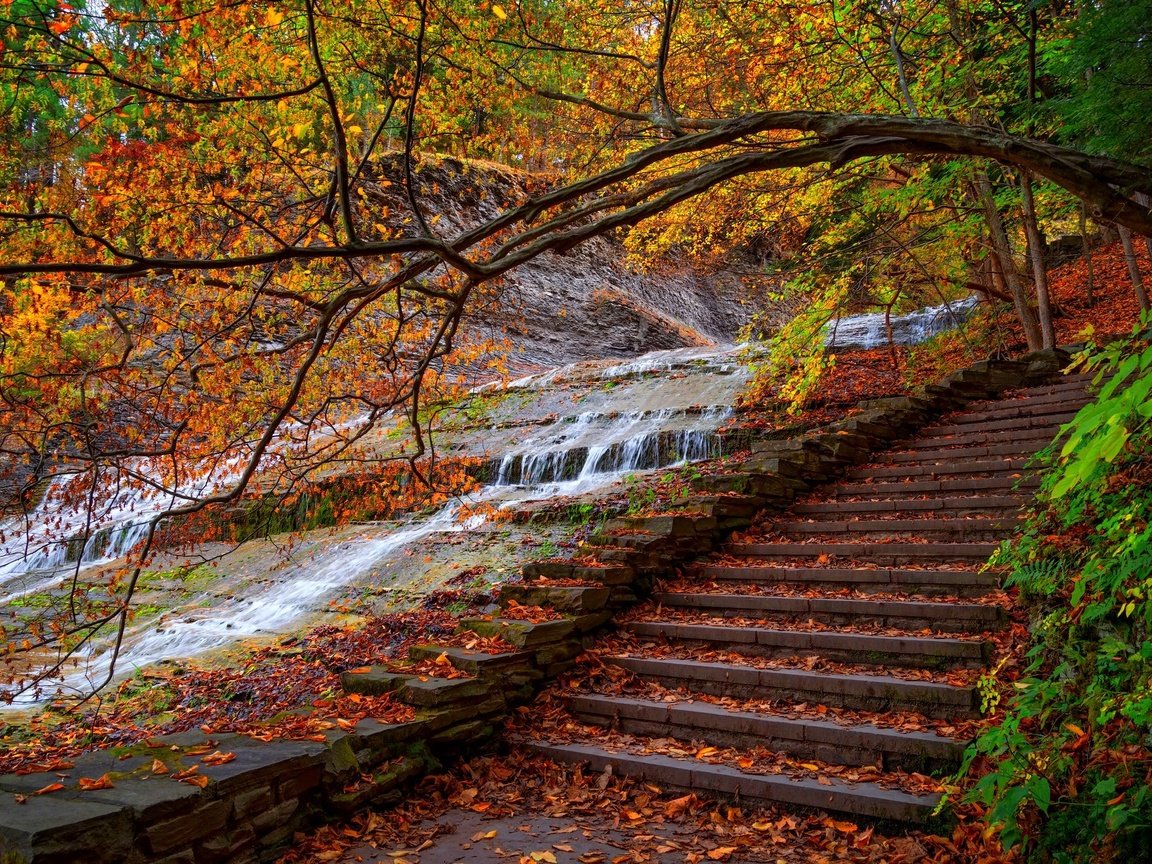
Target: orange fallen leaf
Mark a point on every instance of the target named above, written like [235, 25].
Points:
[89, 784]
[51, 787]
[159, 767]
[218, 758]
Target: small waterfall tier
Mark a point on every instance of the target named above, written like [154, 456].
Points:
[861, 332]
[593, 446]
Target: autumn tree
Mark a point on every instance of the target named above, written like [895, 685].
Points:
[221, 270]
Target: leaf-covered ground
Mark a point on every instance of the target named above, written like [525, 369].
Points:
[524, 810]
[255, 692]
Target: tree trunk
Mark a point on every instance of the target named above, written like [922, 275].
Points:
[1090, 288]
[1144, 199]
[1133, 267]
[1036, 255]
[1003, 251]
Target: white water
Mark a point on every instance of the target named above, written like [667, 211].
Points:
[203, 628]
[593, 445]
[667, 360]
[570, 456]
[60, 534]
[861, 332]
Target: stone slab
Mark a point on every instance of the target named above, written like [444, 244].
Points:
[60, 831]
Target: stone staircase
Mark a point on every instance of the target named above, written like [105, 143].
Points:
[828, 656]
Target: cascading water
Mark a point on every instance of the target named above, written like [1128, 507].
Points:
[593, 446]
[567, 456]
[861, 332]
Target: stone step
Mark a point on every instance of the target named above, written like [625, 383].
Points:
[972, 528]
[878, 553]
[839, 646]
[604, 575]
[857, 799]
[908, 614]
[1010, 409]
[565, 598]
[1037, 439]
[900, 490]
[955, 427]
[863, 744]
[1062, 384]
[991, 467]
[969, 504]
[861, 692]
[964, 583]
[948, 454]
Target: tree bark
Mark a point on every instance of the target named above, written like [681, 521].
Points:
[1090, 287]
[1007, 265]
[1133, 267]
[1036, 256]
[1143, 199]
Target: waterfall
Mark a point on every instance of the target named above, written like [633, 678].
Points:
[861, 332]
[565, 455]
[597, 448]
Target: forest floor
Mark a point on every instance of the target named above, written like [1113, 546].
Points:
[525, 810]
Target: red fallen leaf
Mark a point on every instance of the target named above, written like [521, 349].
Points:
[88, 784]
[51, 787]
[43, 767]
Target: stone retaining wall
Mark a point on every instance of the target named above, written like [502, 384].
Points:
[250, 806]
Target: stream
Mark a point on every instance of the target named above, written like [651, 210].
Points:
[579, 428]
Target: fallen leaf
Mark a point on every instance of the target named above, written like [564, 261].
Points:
[88, 784]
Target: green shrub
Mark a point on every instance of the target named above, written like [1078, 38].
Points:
[1066, 771]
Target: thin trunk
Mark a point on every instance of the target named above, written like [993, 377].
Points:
[1036, 255]
[901, 72]
[1090, 288]
[1146, 201]
[1133, 267]
[1011, 276]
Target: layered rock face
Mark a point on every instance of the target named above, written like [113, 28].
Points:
[558, 309]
